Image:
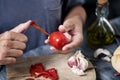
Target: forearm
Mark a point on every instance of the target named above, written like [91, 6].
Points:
[79, 12]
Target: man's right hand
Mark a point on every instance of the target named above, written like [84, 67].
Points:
[12, 43]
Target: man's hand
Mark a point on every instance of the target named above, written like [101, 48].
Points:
[12, 43]
[73, 27]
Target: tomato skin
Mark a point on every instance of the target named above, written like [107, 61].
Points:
[35, 70]
[29, 79]
[53, 73]
[57, 39]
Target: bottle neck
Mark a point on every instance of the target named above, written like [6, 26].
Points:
[102, 10]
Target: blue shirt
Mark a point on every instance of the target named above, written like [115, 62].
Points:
[47, 13]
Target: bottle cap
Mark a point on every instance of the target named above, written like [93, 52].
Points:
[102, 1]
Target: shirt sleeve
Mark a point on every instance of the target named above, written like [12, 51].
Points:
[69, 4]
[72, 3]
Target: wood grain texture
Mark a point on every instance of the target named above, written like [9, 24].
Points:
[20, 70]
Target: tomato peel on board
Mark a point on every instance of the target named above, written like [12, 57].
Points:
[38, 70]
[57, 39]
[53, 73]
[29, 79]
[35, 70]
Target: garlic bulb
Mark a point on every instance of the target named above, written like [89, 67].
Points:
[78, 63]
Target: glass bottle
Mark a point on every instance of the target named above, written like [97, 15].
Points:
[101, 32]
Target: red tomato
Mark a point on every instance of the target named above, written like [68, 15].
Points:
[57, 39]
[35, 70]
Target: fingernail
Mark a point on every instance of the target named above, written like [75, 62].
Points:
[29, 21]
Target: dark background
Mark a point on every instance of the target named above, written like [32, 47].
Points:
[90, 6]
[104, 70]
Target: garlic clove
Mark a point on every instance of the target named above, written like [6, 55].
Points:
[79, 54]
[72, 61]
[78, 63]
[77, 71]
[104, 54]
[83, 64]
[106, 58]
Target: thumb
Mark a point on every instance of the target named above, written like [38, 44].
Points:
[21, 27]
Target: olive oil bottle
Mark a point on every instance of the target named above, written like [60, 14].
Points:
[101, 32]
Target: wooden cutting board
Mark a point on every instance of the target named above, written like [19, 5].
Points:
[20, 70]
